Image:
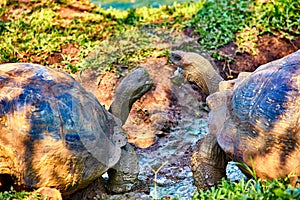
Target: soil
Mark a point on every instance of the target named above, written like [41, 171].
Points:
[268, 48]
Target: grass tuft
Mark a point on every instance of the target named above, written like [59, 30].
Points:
[251, 189]
[219, 20]
[12, 195]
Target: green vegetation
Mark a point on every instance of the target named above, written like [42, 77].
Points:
[42, 31]
[124, 50]
[46, 29]
[254, 188]
[13, 195]
[36, 32]
[222, 21]
[218, 21]
[251, 189]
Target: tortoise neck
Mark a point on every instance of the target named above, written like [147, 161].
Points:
[204, 75]
[130, 89]
[213, 83]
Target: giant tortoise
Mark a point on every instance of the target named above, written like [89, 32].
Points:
[254, 119]
[53, 133]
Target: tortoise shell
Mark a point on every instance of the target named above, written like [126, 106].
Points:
[263, 128]
[53, 132]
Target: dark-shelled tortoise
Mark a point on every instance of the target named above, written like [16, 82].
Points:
[254, 119]
[53, 133]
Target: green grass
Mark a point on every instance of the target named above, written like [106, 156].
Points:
[36, 32]
[125, 50]
[251, 189]
[242, 21]
[13, 195]
[277, 17]
[219, 20]
[243, 190]
[32, 35]
[254, 188]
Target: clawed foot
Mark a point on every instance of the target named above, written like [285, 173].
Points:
[208, 163]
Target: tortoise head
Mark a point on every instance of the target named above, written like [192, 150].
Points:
[181, 59]
[197, 69]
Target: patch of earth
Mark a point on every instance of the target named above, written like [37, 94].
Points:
[75, 9]
[68, 52]
[268, 48]
[150, 115]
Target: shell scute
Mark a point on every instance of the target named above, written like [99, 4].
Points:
[264, 96]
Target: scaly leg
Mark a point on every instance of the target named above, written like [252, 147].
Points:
[208, 163]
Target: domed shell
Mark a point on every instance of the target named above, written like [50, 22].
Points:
[269, 97]
[263, 129]
[53, 132]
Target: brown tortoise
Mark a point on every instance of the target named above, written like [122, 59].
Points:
[254, 119]
[53, 133]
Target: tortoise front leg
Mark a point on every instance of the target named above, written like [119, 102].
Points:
[208, 163]
[123, 177]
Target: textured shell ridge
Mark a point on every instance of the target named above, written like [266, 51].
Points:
[266, 95]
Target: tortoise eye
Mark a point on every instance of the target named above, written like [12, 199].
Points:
[176, 57]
